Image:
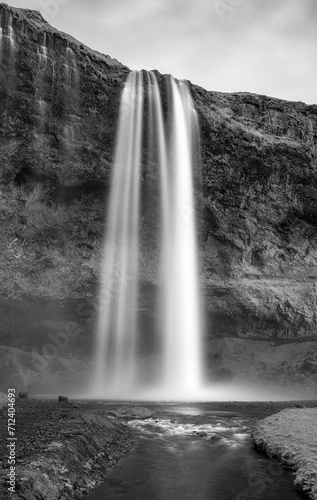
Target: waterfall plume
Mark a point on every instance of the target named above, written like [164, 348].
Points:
[118, 371]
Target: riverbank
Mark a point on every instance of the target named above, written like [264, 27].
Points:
[61, 452]
[291, 437]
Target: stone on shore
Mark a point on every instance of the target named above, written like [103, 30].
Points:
[62, 399]
[131, 412]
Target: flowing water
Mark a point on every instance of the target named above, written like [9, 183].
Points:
[117, 321]
[43, 53]
[71, 69]
[7, 40]
[72, 88]
[181, 324]
[192, 452]
[8, 54]
[0, 38]
[11, 36]
[40, 82]
[170, 149]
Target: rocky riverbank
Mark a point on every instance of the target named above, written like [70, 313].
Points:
[290, 436]
[61, 451]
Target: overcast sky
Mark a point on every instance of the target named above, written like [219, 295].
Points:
[263, 46]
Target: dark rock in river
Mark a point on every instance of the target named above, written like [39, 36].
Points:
[256, 187]
[130, 412]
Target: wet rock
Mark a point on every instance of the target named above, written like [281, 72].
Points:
[214, 436]
[200, 433]
[62, 399]
[208, 435]
[131, 412]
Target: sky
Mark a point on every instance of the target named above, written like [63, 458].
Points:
[263, 46]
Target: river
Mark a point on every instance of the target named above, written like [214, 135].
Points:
[194, 452]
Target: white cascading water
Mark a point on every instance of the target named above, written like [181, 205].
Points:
[117, 320]
[71, 68]
[179, 376]
[0, 37]
[43, 54]
[11, 36]
[42, 64]
[72, 81]
[181, 312]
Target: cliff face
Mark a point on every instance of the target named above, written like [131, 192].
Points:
[256, 210]
[259, 233]
[259, 211]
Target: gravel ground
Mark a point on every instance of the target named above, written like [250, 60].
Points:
[291, 437]
[61, 452]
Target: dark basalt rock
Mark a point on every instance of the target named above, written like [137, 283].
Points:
[203, 434]
[62, 399]
[130, 412]
[256, 191]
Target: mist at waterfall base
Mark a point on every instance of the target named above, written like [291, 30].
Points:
[168, 132]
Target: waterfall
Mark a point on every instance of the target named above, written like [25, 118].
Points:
[71, 69]
[42, 53]
[0, 38]
[11, 36]
[40, 83]
[181, 311]
[8, 66]
[72, 80]
[117, 321]
[170, 149]
[7, 42]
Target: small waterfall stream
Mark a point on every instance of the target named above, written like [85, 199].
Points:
[11, 36]
[43, 53]
[1, 36]
[40, 97]
[8, 56]
[71, 69]
[117, 374]
[7, 40]
[72, 82]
